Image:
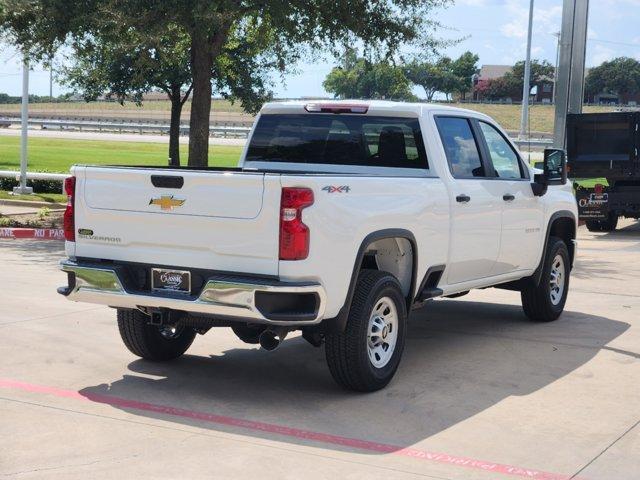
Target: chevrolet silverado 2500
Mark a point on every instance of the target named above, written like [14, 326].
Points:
[340, 218]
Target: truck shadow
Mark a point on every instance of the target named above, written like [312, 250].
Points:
[461, 358]
[627, 229]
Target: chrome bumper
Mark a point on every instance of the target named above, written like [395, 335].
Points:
[233, 299]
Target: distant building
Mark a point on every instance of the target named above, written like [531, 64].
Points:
[542, 90]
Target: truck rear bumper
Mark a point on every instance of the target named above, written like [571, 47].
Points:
[233, 298]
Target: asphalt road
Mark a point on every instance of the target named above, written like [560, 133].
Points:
[481, 393]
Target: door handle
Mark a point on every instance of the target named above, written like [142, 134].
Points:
[463, 198]
[507, 197]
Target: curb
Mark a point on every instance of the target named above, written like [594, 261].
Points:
[28, 203]
[33, 233]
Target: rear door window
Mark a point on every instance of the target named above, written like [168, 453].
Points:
[330, 139]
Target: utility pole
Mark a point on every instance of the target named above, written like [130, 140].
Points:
[524, 120]
[22, 189]
[555, 72]
[570, 82]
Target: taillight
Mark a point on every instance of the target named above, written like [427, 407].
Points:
[598, 188]
[294, 235]
[69, 224]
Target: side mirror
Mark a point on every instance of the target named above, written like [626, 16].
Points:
[555, 166]
[555, 171]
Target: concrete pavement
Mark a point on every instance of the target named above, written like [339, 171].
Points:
[479, 385]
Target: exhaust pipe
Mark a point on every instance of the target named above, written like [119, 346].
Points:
[271, 339]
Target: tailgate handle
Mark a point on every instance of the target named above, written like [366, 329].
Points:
[167, 181]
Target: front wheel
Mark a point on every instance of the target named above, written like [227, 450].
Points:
[545, 302]
[153, 342]
[366, 355]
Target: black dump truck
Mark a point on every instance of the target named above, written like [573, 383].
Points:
[602, 159]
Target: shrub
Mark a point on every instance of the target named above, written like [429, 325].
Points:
[39, 186]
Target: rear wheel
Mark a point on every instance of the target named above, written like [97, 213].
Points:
[153, 342]
[545, 302]
[366, 355]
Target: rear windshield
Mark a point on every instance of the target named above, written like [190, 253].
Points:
[343, 139]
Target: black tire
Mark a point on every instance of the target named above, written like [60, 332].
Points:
[608, 225]
[593, 226]
[147, 341]
[347, 352]
[537, 299]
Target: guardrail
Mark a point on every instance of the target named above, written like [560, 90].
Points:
[534, 142]
[33, 175]
[224, 131]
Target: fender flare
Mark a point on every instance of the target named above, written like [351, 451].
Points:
[339, 322]
[537, 274]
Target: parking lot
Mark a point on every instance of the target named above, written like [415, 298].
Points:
[481, 392]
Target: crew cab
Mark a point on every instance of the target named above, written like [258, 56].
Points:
[340, 218]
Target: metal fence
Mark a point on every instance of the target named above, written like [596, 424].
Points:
[225, 131]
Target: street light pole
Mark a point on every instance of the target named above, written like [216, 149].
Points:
[22, 189]
[527, 78]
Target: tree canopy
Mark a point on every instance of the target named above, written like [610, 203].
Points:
[511, 84]
[215, 29]
[444, 75]
[619, 76]
[357, 77]
[131, 64]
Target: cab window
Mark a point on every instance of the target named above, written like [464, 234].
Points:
[503, 158]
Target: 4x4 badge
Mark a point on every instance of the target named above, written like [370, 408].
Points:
[337, 189]
[167, 202]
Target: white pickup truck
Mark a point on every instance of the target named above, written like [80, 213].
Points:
[340, 219]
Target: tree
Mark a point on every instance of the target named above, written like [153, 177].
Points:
[433, 77]
[463, 69]
[287, 29]
[540, 70]
[511, 84]
[499, 88]
[360, 78]
[619, 76]
[444, 75]
[130, 65]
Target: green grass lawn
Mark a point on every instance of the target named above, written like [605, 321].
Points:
[59, 154]
[591, 182]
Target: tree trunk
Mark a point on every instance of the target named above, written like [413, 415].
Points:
[201, 65]
[174, 127]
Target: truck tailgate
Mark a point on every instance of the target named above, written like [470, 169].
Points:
[217, 220]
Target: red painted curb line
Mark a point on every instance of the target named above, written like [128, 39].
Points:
[287, 431]
[35, 233]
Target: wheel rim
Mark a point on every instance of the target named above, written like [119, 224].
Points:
[170, 332]
[557, 280]
[382, 332]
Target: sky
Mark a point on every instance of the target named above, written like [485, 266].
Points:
[494, 29]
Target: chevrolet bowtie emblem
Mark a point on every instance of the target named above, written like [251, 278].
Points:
[167, 202]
